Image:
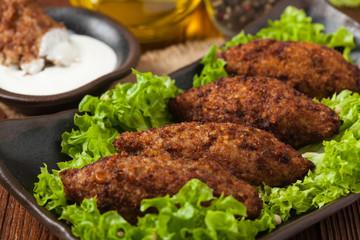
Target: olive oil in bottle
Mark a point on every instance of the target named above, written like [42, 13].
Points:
[148, 20]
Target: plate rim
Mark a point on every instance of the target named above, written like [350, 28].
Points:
[27, 200]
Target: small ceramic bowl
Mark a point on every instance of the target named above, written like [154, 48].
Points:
[96, 25]
[230, 17]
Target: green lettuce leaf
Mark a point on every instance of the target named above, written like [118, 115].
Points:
[88, 223]
[347, 105]
[213, 68]
[181, 216]
[49, 191]
[345, 3]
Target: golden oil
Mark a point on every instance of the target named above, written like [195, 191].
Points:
[148, 20]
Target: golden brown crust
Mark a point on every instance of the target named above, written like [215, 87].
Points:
[120, 182]
[313, 69]
[22, 24]
[260, 102]
[251, 154]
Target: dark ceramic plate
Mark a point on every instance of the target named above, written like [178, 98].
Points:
[94, 24]
[25, 145]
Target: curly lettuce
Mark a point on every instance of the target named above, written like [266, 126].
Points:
[213, 68]
[181, 216]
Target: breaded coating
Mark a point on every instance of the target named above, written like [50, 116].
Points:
[313, 69]
[260, 102]
[120, 182]
[22, 25]
[251, 154]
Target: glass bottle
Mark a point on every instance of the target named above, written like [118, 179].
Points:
[148, 20]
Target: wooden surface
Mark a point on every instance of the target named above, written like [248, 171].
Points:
[2, 114]
[17, 223]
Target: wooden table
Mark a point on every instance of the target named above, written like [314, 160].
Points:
[17, 223]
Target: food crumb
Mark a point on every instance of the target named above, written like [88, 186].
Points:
[337, 110]
[277, 219]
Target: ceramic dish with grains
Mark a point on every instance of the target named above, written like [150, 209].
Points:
[96, 40]
[230, 17]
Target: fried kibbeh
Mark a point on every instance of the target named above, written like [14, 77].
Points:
[120, 182]
[251, 154]
[313, 69]
[260, 102]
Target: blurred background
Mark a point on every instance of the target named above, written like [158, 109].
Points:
[160, 23]
[155, 23]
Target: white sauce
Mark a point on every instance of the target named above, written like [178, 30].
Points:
[94, 60]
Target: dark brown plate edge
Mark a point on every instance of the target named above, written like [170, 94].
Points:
[26, 199]
[307, 219]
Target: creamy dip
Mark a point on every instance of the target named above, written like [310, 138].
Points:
[94, 59]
